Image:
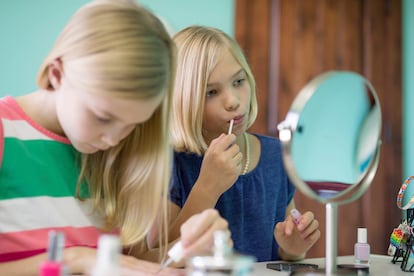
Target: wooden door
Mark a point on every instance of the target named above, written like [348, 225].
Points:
[289, 42]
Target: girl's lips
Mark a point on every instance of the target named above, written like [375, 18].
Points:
[238, 120]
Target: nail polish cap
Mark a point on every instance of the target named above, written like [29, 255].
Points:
[362, 235]
[221, 244]
[107, 259]
[176, 252]
[56, 245]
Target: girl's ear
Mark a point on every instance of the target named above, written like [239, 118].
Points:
[55, 72]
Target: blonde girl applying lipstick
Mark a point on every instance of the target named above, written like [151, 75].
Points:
[239, 173]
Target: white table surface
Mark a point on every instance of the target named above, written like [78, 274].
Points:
[379, 265]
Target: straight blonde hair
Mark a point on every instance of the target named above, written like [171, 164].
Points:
[119, 48]
[198, 52]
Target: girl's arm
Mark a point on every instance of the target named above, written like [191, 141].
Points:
[219, 170]
[80, 261]
[28, 266]
[197, 201]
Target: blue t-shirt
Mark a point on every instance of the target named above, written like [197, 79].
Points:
[252, 206]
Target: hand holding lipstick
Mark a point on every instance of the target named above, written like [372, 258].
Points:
[297, 234]
[223, 157]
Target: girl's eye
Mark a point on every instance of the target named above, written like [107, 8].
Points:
[239, 82]
[103, 120]
[211, 93]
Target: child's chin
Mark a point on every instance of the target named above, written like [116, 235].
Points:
[86, 149]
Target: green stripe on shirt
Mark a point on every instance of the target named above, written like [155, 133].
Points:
[44, 168]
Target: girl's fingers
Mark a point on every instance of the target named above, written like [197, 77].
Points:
[196, 225]
[198, 232]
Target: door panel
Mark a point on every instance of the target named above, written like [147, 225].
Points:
[289, 42]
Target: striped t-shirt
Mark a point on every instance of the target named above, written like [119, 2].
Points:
[38, 178]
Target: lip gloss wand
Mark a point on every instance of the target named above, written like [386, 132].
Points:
[231, 126]
[296, 215]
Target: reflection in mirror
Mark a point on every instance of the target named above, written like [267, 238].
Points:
[336, 134]
[330, 143]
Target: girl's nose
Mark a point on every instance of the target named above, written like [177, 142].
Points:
[232, 100]
[110, 140]
[113, 137]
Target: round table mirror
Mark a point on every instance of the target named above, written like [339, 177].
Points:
[330, 143]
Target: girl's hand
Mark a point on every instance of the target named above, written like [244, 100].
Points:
[135, 267]
[295, 240]
[221, 165]
[80, 260]
[197, 233]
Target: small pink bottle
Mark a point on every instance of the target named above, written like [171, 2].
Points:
[362, 248]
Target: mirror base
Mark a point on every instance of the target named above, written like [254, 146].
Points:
[342, 269]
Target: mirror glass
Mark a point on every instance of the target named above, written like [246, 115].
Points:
[332, 131]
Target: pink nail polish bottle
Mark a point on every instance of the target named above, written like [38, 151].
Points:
[53, 266]
[362, 248]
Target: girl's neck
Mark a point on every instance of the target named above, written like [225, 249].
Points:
[40, 107]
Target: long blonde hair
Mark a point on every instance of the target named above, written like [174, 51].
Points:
[114, 46]
[198, 51]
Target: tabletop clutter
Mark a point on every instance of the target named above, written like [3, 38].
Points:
[401, 244]
[222, 261]
[401, 239]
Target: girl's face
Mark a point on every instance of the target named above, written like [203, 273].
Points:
[94, 122]
[227, 97]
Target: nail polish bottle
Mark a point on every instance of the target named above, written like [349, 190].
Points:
[362, 248]
[223, 261]
[53, 266]
[107, 259]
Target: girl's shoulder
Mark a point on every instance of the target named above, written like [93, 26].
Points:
[270, 151]
[9, 109]
[266, 154]
[187, 158]
[267, 141]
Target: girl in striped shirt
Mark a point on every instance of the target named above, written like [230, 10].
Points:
[88, 152]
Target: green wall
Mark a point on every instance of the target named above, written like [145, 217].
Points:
[408, 93]
[28, 30]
